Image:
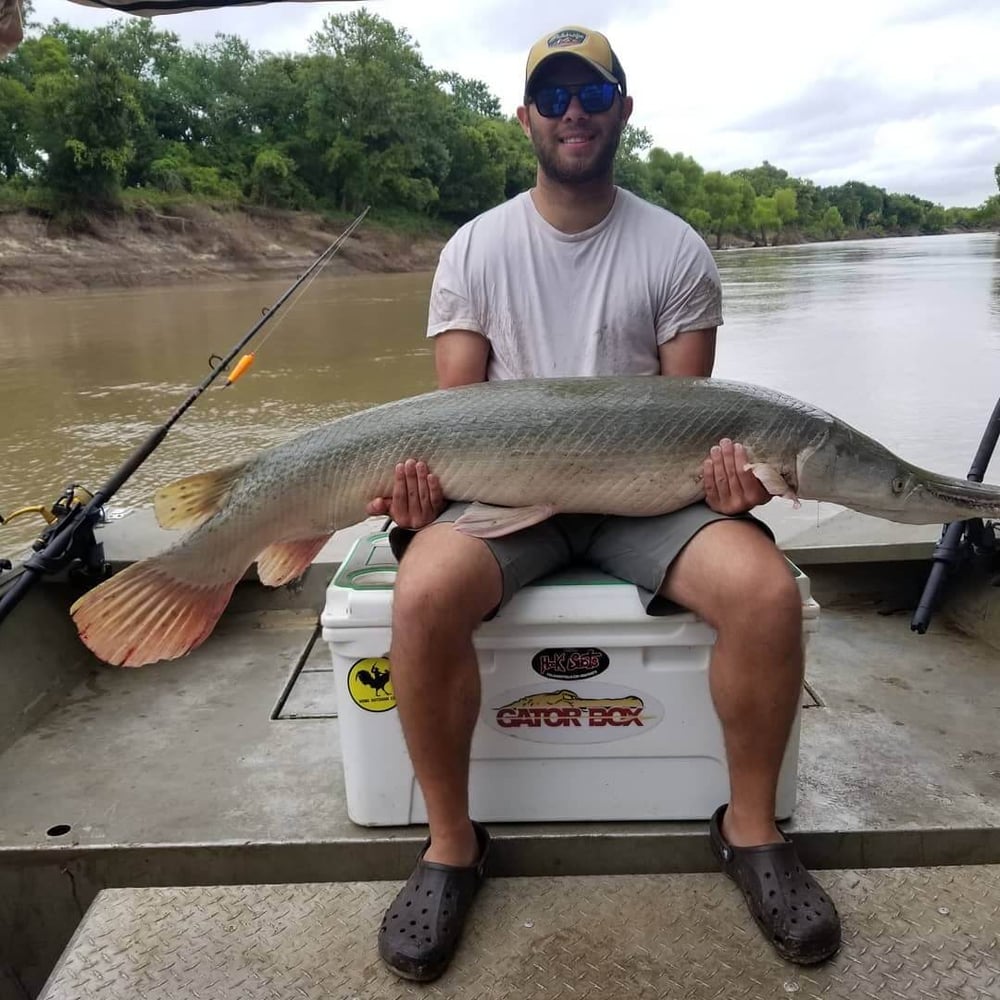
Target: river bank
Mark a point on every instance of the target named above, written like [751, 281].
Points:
[151, 247]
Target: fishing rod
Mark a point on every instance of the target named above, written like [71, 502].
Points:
[70, 533]
[959, 536]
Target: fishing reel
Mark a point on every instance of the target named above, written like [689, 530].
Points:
[83, 550]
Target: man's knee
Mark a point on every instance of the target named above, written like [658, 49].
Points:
[768, 594]
[731, 571]
[426, 594]
[445, 579]
[760, 609]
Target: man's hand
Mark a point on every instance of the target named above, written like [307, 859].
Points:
[416, 497]
[729, 488]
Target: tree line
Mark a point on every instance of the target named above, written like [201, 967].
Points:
[94, 120]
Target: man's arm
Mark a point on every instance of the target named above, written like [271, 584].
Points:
[729, 487]
[460, 358]
[689, 353]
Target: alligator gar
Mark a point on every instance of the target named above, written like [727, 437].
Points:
[522, 450]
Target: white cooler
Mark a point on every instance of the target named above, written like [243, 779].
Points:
[591, 709]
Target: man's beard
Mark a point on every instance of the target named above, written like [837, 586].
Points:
[581, 173]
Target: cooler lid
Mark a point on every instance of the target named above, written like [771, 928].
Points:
[360, 594]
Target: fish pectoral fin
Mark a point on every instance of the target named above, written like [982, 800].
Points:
[774, 482]
[191, 501]
[284, 561]
[485, 521]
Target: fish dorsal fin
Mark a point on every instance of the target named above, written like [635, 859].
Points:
[284, 561]
[191, 501]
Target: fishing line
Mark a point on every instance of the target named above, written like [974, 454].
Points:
[248, 359]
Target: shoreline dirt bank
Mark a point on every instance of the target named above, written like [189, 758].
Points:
[150, 247]
[153, 248]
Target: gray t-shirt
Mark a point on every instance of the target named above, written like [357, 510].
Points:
[553, 304]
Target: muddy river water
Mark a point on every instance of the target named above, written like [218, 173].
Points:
[899, 337]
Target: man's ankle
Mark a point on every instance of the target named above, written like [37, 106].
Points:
[749, 829]
[454, 845]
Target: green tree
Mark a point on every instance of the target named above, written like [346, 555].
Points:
[472, 95]
[861, 205]
[700, 220]
[177, 172]
[37, 57]
[16, 147]
[784, 203]
[208, 89]
[277, 95]
[848, 203]
[675, 181]
[747, 206]
[477, 173]
[723, 202]
[361, 118]
[84, 122]
[272, 179]
[810, 202]
[988, 214]
[872, 202]
[765, 179]
[934, 220]
[146, 56]
[377, 112]
[140, 50]
[477, 149]
[765, 217]
[516, 153]
[959, 218]
[832, 225]
[630, 169]
[903, 211]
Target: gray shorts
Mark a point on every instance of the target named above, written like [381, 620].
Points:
[638, 550]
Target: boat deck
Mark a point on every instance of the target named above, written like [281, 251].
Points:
[223, 769]
[903, 740]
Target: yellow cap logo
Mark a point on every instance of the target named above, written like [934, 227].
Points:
[568, 36]
[370, 685]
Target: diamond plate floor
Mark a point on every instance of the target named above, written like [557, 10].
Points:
[908, 933]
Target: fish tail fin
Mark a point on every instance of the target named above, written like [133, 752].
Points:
[191, 501]
[146, 613]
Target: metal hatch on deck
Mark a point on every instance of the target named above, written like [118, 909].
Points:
[907, 933]
[309, 693]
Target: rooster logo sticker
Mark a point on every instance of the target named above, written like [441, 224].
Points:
[370, 685]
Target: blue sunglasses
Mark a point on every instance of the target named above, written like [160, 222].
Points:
[594, 98]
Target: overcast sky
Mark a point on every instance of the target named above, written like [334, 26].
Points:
[904, 94]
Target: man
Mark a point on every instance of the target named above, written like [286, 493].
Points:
[578, 277]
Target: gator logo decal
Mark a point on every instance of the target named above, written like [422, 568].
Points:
[599, 715]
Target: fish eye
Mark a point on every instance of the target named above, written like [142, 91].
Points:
[898, 484]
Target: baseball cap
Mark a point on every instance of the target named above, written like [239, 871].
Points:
[590, 46]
